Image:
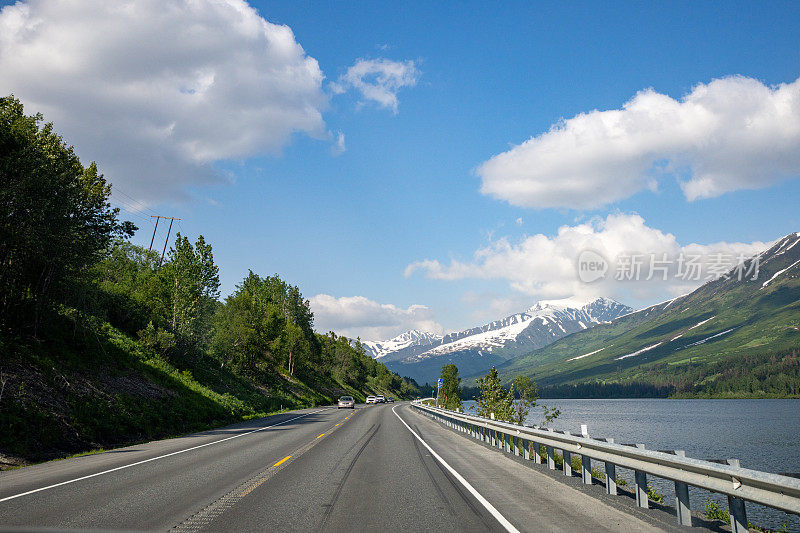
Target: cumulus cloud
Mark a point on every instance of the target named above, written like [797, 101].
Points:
[547, 267]
[733, 133]
[157, 91]
[357, 316]
[378, 80]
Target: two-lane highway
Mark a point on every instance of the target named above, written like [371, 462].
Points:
[380, 467]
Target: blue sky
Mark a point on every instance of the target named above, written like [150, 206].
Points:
[407, 188]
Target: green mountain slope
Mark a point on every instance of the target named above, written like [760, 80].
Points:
[730, 337]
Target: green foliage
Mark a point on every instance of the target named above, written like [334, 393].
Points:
[192, 289]
[654, 495]
[494, 400]
[450, 395]
[713, 511]
[55, 218]
[525, 394]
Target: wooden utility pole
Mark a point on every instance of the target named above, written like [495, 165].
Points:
[171, 220]
[157, 217]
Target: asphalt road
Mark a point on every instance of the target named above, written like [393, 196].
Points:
[380, 467]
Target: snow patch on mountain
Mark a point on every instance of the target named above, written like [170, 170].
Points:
[637, 352]
[409, 339]
[590, 353]
[779, 272]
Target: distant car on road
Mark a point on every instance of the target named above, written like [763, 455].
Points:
[346, 402]
[390, 399]
[380, 399]
[370, 399]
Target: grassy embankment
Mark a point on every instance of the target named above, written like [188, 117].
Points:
[88, 390]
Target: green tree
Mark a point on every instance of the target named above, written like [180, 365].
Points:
[525, 396]
[247, 326]
[450, 395]
[192, 289]
[494, 399]
[55, 218]
[129, 290]
[295, 345]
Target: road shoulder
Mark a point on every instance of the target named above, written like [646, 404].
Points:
[531, 497]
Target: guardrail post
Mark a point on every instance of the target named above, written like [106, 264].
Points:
[551, 458]
[516, 446]
[640, 486]
[611, 475]
[682, 505]
[526, 449]
[586, 469]
[736, 508]
[537, 453]
[507, 440]
[567, 460]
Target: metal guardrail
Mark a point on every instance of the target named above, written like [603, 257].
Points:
[739, 484]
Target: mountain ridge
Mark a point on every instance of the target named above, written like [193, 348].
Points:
[421, 355]
[728, 336]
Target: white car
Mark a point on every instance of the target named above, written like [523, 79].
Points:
[370, 399]
[380, 399]
[346, 402]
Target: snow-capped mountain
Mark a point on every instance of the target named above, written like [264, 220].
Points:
[402, 343]
[421, 355]
[538, 326]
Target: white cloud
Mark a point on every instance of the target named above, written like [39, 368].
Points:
[157, 91]
[338, 146]
[378, 80]
[547, 267]
[357, 316]
[733, 133]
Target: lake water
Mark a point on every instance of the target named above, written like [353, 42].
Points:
[762, 434]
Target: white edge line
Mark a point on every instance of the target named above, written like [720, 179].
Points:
[151, 459]
[489, 507]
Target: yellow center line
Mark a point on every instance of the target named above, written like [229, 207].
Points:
[321, 434]
[282, 460]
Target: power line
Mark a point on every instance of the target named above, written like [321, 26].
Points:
[131, 213]
[137, 204]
